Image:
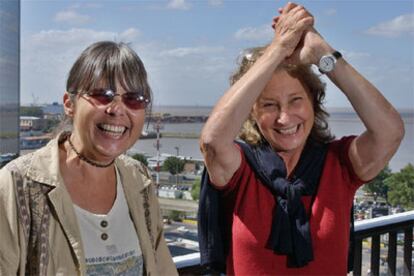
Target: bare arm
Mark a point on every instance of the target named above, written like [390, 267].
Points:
[370, 151]
[221, 155]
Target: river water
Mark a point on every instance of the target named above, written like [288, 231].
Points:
[341, 124]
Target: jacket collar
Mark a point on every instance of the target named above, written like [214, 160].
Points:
[44, 167]
[132, 172]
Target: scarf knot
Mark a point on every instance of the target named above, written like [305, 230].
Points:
[290, 232]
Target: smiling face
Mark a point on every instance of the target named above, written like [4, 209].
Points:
[103, 132]
[284, 113]
[104, 128]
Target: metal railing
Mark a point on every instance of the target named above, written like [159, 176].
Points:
[391, 227]
[387, 228]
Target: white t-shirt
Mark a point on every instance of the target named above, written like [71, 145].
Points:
[110, 241]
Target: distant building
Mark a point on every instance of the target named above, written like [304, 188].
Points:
[53, 111]
[28, 123]
[34, 142]
[9, 76]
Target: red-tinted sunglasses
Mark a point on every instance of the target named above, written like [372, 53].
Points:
[132, 100]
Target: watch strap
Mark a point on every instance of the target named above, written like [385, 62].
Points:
[337, 54]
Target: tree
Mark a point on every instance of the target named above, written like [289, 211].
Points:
[141, 157]
[35, 111]
[377, 186]
[195, 189]
[176, 215]
[51, 124]
[401, 187]
[174, 165]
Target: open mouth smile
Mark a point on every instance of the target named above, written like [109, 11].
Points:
[112, 130]
[288, 131]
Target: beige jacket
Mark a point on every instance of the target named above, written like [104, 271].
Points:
[39, 233]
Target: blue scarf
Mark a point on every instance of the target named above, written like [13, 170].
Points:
[290, 232]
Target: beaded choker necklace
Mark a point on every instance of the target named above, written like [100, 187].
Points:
[93, 163]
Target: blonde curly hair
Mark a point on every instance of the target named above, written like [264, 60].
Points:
[320, 132]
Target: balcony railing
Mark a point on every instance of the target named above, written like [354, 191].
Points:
[394, 229]
[391, 227]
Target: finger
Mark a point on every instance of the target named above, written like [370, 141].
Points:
[274, 23]
[300, 10]
[305, 23]
[280, 10]
[299, 13]
[289, 6]
[297, 9]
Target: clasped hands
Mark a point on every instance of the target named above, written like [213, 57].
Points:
[294, 32]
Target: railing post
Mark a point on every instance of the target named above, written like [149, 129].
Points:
[375, 254]
[357, 257]
[392, 253]
[392, 225]
[408, 249]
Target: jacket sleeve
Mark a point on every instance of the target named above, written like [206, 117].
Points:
[164, 261]
[10, 231]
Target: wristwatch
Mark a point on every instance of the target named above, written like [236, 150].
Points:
[327, 62]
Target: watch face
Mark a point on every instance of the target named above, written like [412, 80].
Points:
[326, 64]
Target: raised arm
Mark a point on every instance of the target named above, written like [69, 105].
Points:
[370, 151]
[221, 156]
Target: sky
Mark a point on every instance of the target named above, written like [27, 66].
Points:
[190, 48]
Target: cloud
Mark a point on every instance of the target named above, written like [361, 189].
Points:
[71, 38]
[52, 38]
[262, 33]
[186, 51]
[215, 2]
[331, 12]
[72, 17]
[189, 75]
[130, 34]
[392, 76]
[177, 75]
[178, 5]
[46, 58]
[355, 55]
[403, 24]
[92, 5]
[86, 5]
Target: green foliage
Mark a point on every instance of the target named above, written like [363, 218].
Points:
[176, 215]
[174, 165]
[51, 124]
[35, 111]
[401, 187]
[377, 186]
[140, 157]
[195, 189]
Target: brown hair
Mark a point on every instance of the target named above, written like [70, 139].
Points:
[304, 73]
[111, 63]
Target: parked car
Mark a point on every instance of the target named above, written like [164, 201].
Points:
[6, 158]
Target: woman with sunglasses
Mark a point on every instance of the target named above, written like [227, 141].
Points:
[78, 205]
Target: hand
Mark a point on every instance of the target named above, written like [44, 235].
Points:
[290, 25]
[310, 49]
[311, 46]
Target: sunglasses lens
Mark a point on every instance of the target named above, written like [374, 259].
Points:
[134, 100]
[102, 96]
